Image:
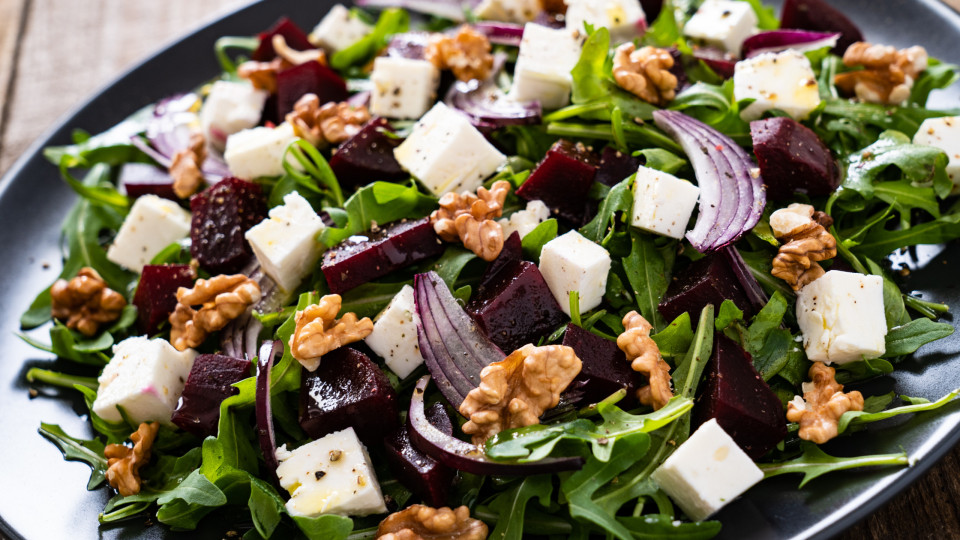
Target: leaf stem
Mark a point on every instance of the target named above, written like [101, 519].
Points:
[64, 380]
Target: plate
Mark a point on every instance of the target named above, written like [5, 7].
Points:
[44, 497]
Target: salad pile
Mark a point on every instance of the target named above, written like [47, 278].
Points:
[444, 269]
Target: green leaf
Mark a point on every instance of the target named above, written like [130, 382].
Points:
[687, 375]
[112, 147]
[648, 273]
[266, 507]
[729, 314]
[380, 203]
[619, 200]
[63, 380]
[880, 242]
[894, 308]
[87, 451]
[906, 339]
[451, 264]
[195, 489]
[511, 505]
[863, 369]
[674, 340]
[590, 71]
[917, 164]
[904, 196]
[371, 298]
[937, 76]
[115, 432]
[660, 526]
[534, 241]
[856, 418]
[665, 31]
[815, 462]
[391, 21]
[326, 527]
[661, 160]
[766, 15]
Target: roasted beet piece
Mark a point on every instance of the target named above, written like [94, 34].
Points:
[651, 8]
[615, 166]
[722, 63]
[295, 37]
[368, 156]
[156, 295]
[139, 179]
[348, 389]
[710, 280]
[511, 254]
[562, 180]
[363, 258]
[605, 368]
[736, 395]
[308, 78]
[793, 159]
[819, 16]
[221, 216]
[419, 472]
[208, 384]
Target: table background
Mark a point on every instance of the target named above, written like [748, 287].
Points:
[55, 53]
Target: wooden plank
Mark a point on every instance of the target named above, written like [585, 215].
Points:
[11, 19]
[955, 4]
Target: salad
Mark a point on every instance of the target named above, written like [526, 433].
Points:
[444, 269]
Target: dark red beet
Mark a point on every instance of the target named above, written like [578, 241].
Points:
[292, 34]
[709, 280]
[364, 258]
[308, 78]
[208, 384]
[419, 472]
[615, 166]
[511, 254]
[348, 389]
[605, 368]
[156, 295]
[139, 179]
[744, 406]
[820, 16]
[793, 159]
[562, 180]
[221, 216]
[368, 156]
[651, 8]
[722, 63]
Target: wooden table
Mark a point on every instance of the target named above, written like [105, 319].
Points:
[53, 55]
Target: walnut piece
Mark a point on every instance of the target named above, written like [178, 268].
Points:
[644, 357]
[318, 331]
[805, 242]
[419, 522]
[123, 462]
[332, 123]
[887, 76]
[515, 391]
[220, 300]
[467, 54]
[85, 302]
[822, 405]
[185, 168]
[645, 73]
[263, 75]
[472, 219]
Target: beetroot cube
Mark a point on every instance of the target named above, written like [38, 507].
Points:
[156, 295]
[710, 280]
[563, 180]
[511, 254]
[221, 216]
[820, 16]
[295, 37]
[419, 472]
[308, 78]
[615, 166]
[605, 369]
[364, 258]
[139, 179]
[209, 383]
[348, 389]
[793, 159]
[721, 62]
[736, 395]
[368, 156]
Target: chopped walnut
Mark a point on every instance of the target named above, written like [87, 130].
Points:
[85, 302]
[293, 56]
[805, 242]
[472, 219]
[318, 331]
[645, 73]
[123, 462]
[419, 522]
[887, 75]
[332, 123]
[515, 391]
[644, 357]
[467, 54]
[822, 405]
[220, 300]
[185, 168]
[263, 75]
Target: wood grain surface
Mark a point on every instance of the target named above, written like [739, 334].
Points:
[54, 53]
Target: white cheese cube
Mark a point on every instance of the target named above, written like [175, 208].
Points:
[573, 263]
[446, 153]
[623, 18]
[943, 133]
[525, 221]
[403, 87]
[841, 317]
[723, 24]
[394, 336]
[542, 73]
[145, 377]
[258, 152]
[781, 80]
[515, 11]
[286, 242]
[152, 224]
[663, 203]
[338, 30]
[706, 472]
[230, 107]
[331, 475]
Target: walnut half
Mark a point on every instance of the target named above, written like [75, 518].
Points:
[209, 306]
[333, 123]
[85, 302]
[805, 242]
[318, 331]
[822, 405]
[124, 463]
[644, 357]
[185, 167]
[645, 73]
[419, 522]
[472, 219]
[467, 54]
[887, 76]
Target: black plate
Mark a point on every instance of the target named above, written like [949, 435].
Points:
[43, 497]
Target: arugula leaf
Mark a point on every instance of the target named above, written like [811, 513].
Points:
[661, 160]
[665, 31]
[904, 197]
[63, 380]
[87, 451]
[918, 165]
[618, 200]
[856, 418]
[937, 76]
[534, 241]
[880, 242]
[815, 462]
[380, 202]
[451, 264]
[863, 369]
[325, 527]
[194, 489]
[728, 315]
[112, 147]
[661, 526]
[591, 70]
[115, 432]
[511, 505]
[766, 15]
[391, 21]
[906, 339]
[715, 106]
[266, 507]
[648, 269]
[893, 305]
[675, 339]
[371, 298]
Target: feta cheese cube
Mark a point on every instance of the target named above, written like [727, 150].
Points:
[258, 152]
[152, 224]
[781, 80]
[573, 263]
[515, 11]
[525, 221]
[663, 203]
[543, 67]
[842, 318]
[145, 377]
[230, 107]
[331, 475]
[403, 87]
[943, 133]
[706, 472]
[446, 153]
[339, 29]
[723, 24]
[286, 242]
[623, 18]
[394, 336]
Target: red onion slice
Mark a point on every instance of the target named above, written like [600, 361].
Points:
[781, 40]
[265, 432]
[501, 33]
[448, 9]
